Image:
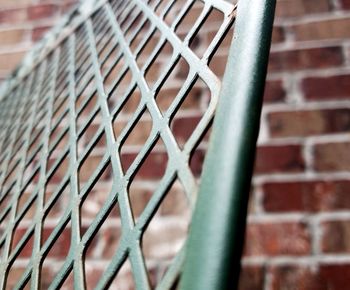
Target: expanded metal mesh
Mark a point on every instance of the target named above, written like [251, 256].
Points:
[107, 67]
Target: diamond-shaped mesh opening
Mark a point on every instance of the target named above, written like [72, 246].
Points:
[55, 250]
[103, 131]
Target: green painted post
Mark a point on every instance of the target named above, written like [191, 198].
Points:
[216, 238]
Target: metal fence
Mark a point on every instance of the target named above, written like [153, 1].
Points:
[85, 72]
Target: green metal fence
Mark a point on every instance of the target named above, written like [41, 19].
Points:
[67, 72]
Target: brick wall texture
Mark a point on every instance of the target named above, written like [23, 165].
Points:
[298, 234]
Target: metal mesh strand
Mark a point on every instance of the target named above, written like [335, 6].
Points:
[106, 66]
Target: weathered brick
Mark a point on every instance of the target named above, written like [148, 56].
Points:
[111, 237]
[308, 123]
[166, 97]
[163, 239]
[312, 58]
[330, 87]
[60, 170]
[139, 198]
[27, 249]
[46, 277]
[8, 61]
[175, 202]
[12, 16]
[273, 239]
[322, 30]
[336, 236]
[332, 156]
[153, 168]
[39, 32]
[95, 200]
[13, 36]
[274, 91]
[61, 246]
[345, 4]
[15, 273]
[287, 158]
[42, 11]
[5, 3]
[334, 276]
[292, 8]
[299, 277]
[138, 135]
[88, 168]
[197, 160]
[252, 278]
[67, 5]
[183, 128]
[308, 196]
[278, 34]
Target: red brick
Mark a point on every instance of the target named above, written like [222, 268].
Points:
[295, 277]
[308, 123]
[292, 60]
[292, 8]
[15, 273]
[138, 135]
[4, 3]
[61, 246]
[154, 168]
[336, 236]
[308, 196]
[196, 162]
[111, 238]
[93, 275]
[334, 276]
[42, 11]
[274, 91]
[26, 251]
[13, 15]
[13, 36]
[332, 157]
[8, 61]
[88, 168]
[285, 158]
[192, 102]
[218, 64]
[278, 34]
[274, 239]
[324, 277]
[251, 278]
[322, 30]
[39, 32]
[183, 128]
[139, 198]
[60, 171]
[345, 4]
[67, 5]
[330, 87]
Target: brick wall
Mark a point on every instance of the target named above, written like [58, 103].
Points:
[22, 23]
[298, 233]
[299, 223]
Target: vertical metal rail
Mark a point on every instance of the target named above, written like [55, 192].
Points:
[218, 225]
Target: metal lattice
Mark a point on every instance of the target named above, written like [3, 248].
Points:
[84, 74]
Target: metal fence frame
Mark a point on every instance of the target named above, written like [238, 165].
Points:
[214, 246]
